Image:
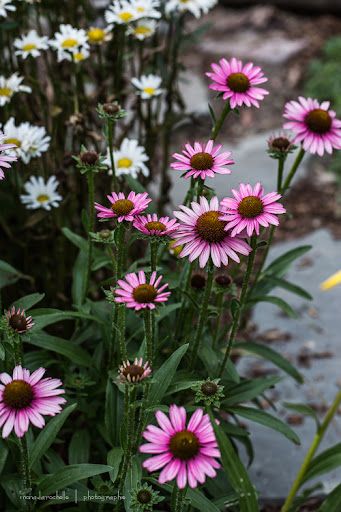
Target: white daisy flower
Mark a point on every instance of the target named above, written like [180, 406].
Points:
[82, 54]
[4, 5]
[147, 8]
[193, 6]
[31, 140]
[69, 39]
[143, 28]
[148, 85]
[30, 44]
[129, 159]
[11, 85]
[121, 12]
[98, 35]
[41, 194]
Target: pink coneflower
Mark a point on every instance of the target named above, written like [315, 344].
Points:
[202, 160]
[280, 143]
[250, 209]
[17, 321]
[238, 82]
[203, 234]
[124, 208]
[4, 159]
[133, 372]
[24, 398]
[315, 125]
[139, 294]
[153, 226]
[183, 452]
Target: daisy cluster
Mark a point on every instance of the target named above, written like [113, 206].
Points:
[29, 141]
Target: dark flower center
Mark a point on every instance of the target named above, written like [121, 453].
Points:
[281, 143]
[18, 322]
[250, 207]
[145, 293]
[105, 233]
[209, 388]
[238, 82]
[202, 161]
[110, 108]
[210, 228]
[122, 206]
[134, 371]
[198, 281]
[223, 281]
[158, 226]
[144, 496]
[89, 158]
[184, 445]
[318, 120]
[18, 394]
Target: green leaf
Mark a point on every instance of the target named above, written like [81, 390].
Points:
[77, 240]
[303, 409]
[180, 386]
[285, 260]
[10, 275]
[235, 470]
[28, 301]
[164, 376]
[273, 300]
[198, 499]
[270, 355]
[75, 353]
[68, 475]
[324, 462]
[48, 435]
[133, 477]
[332, 502]
[3, 454]
[249, 389]
[114, 460]
[113, 413]
[266, 419]
[235, 305]
[85, 221]
[79, 447]
[2, 352]
[80, 277]
[212, 114]
[293, 288]
[47, 316]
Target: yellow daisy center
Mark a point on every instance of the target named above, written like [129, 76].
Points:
[143, 31]
[149, 90]
[18, 394]
[210, 228]
[69, 43]
[5, 91]
[141, 9]
[250, 207]
[29, 47]
[96, 35]
[124, 162]
[158, 226]
[145, 293]
[78, 56]
[122, 206]
[318, 120]
[184, 445]
[238, 82]
[202, 161]
[13, 141]
[125, 16]
[42, 198]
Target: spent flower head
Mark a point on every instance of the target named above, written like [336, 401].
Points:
[103, 487]
[16, 322]
[208, 391]
[144, 498]
[133, 373]
[280, 146]
[105, 236]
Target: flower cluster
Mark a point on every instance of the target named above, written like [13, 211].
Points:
[29, 141]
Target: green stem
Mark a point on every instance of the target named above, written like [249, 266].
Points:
[292, 171]
[183, 304]
[111, 256]
[220, 121]
[154, 246]
[179, 496]
[317, 440]
[203, 314]
[91, 227]
[236, 318]
[149, 336]
[220, 310]
[280, 172]
[76, 88]
[122, 310]
[200, 188]
[26, 470]
[142, 418]
[111, 152]
[16, 346]
[190, 192]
